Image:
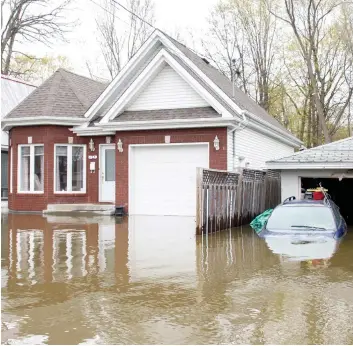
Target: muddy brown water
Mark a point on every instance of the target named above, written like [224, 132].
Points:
[149, 280]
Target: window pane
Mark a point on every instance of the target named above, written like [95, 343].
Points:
[39, 168]
[25, 168]
[109, 165]
[77, 168]
[61, 168]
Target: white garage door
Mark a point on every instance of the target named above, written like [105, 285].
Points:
[163, 178]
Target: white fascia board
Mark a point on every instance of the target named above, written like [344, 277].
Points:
[309, 165]
[91, 131]
[167, 124]
[31, 121]
[157, 63]
[4, 147]
[135, 60]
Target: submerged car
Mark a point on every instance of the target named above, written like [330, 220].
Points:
[305, 220]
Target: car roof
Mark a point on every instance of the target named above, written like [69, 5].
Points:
[305, 202]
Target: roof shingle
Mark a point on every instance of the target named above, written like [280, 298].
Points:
[168, 114]
[64, 94]
[339, 151]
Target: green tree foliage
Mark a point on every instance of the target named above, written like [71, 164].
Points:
[36, 70]
[294, 57]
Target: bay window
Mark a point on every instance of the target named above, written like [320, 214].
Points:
[31, 168]
[70, 168]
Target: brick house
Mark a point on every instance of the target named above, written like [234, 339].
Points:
[138, 141]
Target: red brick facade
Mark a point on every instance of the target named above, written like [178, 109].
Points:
[50, 135]
[218, 159]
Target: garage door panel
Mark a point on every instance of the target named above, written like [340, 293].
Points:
[163, 179]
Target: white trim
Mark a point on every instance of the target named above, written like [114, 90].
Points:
[111, 145]
[309, 165]
[131, 146]
[69, 169]
[7, 124]
[108, 128]
[11, 169]
[152, 69]
[135, 60]
[31, 169]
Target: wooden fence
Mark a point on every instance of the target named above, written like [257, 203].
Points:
[227, 199]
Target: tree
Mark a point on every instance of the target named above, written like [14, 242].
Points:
[121, 38]
[241, 38]
[30, 21]
[308, 21]
[37, 70]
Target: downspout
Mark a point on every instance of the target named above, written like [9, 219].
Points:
[244, 122]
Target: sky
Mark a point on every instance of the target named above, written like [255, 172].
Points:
[83, 48]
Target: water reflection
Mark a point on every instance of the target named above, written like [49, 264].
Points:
[150, 280]
[310, 248]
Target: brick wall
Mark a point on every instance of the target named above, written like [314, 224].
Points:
[50, 135]
[218, 159]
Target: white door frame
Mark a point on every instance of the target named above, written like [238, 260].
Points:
[101, 146]
[132, 146]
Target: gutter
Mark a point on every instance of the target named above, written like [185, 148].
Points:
[7, 124]
[311, 165]
[104, 128]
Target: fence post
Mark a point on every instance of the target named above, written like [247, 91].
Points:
[199, 180]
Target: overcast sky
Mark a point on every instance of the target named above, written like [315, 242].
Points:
[170, 16]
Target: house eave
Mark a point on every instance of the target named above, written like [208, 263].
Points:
[309, 165]
[107, 128]
[7, 124]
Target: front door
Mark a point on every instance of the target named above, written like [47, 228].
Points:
[107, 173]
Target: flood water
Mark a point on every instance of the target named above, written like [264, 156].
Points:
[150, 280]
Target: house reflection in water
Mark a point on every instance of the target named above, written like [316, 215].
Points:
[58, 249]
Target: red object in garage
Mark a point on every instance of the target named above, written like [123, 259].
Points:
[318, 195]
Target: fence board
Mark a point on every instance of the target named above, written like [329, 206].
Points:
[228, 199]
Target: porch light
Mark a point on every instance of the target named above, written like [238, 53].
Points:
[119, 145]
[91, 145]
[216, 143]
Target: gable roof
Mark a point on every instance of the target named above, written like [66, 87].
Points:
[64, 94]
[208, 81]
[13, 91]
[224, 83]
[339, 153]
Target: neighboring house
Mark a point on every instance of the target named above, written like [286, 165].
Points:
[331, 164]
[13, 91]
[137, 142]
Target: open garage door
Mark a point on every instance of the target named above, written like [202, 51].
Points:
[162, 179]
[341, 193]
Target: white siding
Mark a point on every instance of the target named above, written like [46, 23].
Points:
[167, 91]
[257, 148]
[230, 151]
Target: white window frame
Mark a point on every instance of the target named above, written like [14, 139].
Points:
[31, 169]
[69, 169]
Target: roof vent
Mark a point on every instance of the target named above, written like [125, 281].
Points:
[206, 61]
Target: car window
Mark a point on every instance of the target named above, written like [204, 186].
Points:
[285, 217]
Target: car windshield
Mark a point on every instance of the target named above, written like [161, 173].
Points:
[301, 216]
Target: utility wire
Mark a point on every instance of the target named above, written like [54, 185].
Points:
[137, 16]
[134, 14]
